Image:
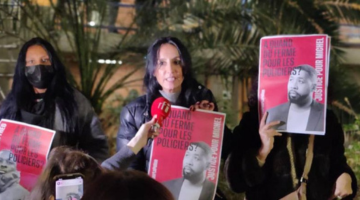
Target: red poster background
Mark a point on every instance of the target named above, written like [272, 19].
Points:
[170, 160]
[34, 146]
[272, 90]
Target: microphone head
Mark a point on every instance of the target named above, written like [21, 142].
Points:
[160, 107]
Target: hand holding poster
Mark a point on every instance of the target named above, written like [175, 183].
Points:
[186, 154]
[293, 74]
[23, 152]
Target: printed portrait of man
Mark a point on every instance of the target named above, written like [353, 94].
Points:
[10, 187]
[69, 190]
[193, 185]
[73, 196]
[301, 112]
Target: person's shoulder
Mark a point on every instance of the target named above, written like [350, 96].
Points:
[197, 87]
[198, 92]
[201, 88]
[209, 187]
[318, 106]
[81, 100]
[79, 97]
[278, 112]
[173, 182]
[332, 125]
[138, 102]
[8, 104]
[250, 116]
[331, 116]
[283, 106]
[209, 184]
[135, 110]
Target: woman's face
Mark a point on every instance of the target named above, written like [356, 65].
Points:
[38, 70]
[168, 71]
[37, 55]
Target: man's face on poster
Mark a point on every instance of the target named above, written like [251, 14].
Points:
[300, 86]
[195, 161]
[6, 164]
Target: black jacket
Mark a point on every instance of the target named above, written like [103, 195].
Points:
[88, 135]
[273, 180]
[137, 112]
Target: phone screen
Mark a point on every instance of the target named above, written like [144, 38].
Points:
[69, 188]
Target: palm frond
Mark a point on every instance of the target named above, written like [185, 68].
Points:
[347, 11]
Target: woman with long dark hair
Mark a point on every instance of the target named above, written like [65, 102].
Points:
[41, 96]
[168, 74]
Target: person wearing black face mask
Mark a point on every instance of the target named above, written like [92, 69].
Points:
[41, 96]
[40, 76]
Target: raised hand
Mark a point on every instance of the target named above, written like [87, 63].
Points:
[204, 105]
[146, 131]
[267, 133]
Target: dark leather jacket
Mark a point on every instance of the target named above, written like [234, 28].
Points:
[137, 112]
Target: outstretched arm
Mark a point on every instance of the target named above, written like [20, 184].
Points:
[124, 157]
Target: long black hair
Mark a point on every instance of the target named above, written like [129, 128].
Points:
[151, 84]
[59, 93]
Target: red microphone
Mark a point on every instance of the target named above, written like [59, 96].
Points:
[160, 107]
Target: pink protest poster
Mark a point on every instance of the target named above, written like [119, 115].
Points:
[186, 154]
[23, 152]
[293, 78]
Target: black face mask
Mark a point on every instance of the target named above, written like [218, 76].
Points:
[39, 76]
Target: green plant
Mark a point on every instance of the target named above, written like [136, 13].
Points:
[67, 26]
[223, 35]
